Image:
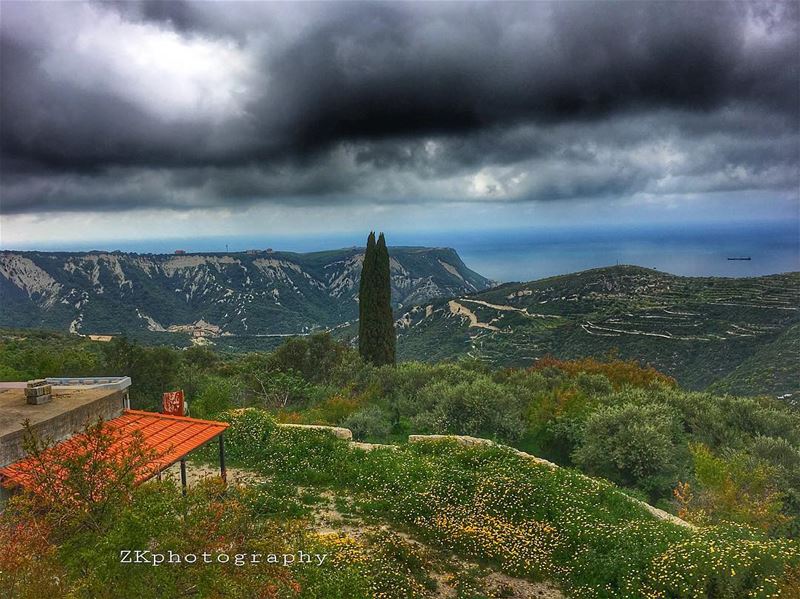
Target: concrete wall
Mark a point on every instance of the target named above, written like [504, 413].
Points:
[62, 425]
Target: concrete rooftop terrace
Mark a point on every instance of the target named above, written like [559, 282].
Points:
[74, 402]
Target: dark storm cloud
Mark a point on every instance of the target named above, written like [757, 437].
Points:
[383, 76]
[126, 105]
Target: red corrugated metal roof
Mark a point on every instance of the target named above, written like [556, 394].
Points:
[169, 437]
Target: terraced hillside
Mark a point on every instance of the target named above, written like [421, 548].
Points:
[767, 369]
[699, 330]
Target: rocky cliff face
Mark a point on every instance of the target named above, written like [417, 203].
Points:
[259, 293]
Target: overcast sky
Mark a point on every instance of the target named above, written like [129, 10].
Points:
[134, 120]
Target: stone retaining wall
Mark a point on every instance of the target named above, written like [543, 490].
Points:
[337, 431]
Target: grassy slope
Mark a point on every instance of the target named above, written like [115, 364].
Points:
[521, 517]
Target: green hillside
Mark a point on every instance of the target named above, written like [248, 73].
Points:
[699, 330]
[773, 369]
[739, 334]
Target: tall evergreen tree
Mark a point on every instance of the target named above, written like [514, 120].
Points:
[366, 302]
[376, 334]
[387, 337]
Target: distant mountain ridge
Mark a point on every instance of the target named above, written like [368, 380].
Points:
[737, 335]
[212, 294]
[740, 334]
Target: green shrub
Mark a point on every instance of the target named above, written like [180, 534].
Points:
[370, 423]
[302, 455]
[480, 407]
[735, 487]
[634, 445]
[315, 358]
[215, 394]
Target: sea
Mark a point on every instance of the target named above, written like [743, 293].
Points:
[525, 254]
[695, 251]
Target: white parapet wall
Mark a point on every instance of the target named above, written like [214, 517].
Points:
[116, 383]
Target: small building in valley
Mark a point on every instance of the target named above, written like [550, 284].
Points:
[101, 338]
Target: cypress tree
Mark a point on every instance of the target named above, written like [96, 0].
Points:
[366, 302]
[376, 335]
[386, 337]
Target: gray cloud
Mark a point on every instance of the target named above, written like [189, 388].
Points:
[175, 104]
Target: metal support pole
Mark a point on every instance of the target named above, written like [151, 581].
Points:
[222, 470]
[183, 476]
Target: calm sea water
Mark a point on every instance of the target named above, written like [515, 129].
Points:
[526, 254]
[522, 256]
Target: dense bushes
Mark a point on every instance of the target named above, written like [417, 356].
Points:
[479, 407]
[155, 369]
[214, 394]
[317, 359]
[636, 446]
[369, 423]
[736, 487]
[31, 354]
[611, 418]
[620, 373]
